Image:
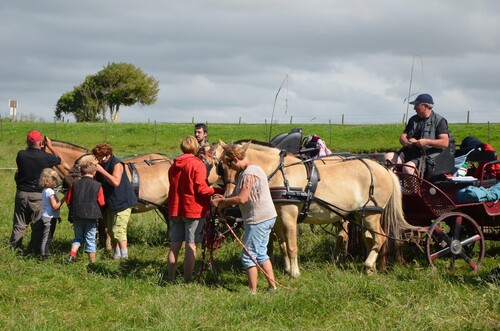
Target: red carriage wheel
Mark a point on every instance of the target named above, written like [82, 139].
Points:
[455, 240]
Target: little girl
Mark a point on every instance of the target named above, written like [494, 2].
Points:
[51, 208]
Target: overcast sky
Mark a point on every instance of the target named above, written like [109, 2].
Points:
[222, 60]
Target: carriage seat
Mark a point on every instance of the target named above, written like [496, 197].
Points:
[290, 141]
[443, 163]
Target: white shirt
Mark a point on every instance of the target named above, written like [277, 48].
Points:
[48, 211]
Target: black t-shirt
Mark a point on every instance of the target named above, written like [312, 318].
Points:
[30, 164]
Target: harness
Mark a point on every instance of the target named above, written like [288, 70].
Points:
[297, 195]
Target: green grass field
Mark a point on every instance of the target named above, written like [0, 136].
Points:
[51, 295]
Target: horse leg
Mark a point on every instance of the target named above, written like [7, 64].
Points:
[289, 214]
[280, 235]
[104, 238]
[375, 243]
[341, 242]
[164, 211]
[270, 246]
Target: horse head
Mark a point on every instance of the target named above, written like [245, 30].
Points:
[69, 154]
[210, 156]
[74, 173]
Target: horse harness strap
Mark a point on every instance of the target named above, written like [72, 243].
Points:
[297, 195]
[134, 178]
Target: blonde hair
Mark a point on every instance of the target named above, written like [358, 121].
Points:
[48, 178]
[87, 168]
[189, 145]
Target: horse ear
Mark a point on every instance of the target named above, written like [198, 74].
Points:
[246, 145]
[223, 144]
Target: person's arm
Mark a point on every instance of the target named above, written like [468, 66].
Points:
[115, 178]
[54, 203]
[404, 140]
[442, 141]
[54, 151]
[69, 195]
[200, 181]
[241, 197]
[100, 197]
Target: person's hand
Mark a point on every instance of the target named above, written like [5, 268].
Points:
[217, 200]
[48, 142]
[411, 142]
[99, 168]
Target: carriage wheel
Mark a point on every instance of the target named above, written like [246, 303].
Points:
[455, 240]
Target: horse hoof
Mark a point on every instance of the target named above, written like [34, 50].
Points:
[370, 271]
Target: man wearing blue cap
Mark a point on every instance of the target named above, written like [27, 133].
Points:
[425, 134]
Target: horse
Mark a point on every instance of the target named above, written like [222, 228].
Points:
[148, 174]
[326, 190]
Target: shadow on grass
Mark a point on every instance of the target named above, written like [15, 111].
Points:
[130, 268]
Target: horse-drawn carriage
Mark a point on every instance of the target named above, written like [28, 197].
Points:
[455, 228]
[451, 230]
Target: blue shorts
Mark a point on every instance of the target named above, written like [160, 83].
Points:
[256, 238]
[85, 232]
[185, 229]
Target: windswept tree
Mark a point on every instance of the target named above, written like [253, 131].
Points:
[117, 84]
[82, 102]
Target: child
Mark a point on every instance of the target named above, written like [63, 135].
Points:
[85, 197]
[51, 208]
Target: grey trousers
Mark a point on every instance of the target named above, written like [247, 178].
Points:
[27, 210]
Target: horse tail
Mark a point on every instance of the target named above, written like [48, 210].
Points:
[393, 218]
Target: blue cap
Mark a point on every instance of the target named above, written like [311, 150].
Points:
[423, 98]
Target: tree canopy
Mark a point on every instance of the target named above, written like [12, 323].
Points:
[116, 85]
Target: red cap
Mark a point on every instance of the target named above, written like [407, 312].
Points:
[34, 137]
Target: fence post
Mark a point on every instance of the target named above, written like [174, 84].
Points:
[291, 118]
[488, 132]
[55, 126]
[265, 127]
[239, 121]
[342, 119]
[330, 127]
[468, 113]
[155, 132]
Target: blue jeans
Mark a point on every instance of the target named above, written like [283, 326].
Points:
[256, 238]
[85, 232]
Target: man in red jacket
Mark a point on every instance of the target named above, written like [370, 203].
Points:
[188, 201]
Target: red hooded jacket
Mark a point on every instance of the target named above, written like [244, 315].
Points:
[189, 194]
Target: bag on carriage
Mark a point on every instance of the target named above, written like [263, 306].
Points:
[315, 146]
[471, 194]
[474, 150]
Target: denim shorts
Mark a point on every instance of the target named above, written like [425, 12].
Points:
[85, 232]
[256, 238]
[185, 229]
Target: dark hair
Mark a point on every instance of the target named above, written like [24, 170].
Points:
[201, 126]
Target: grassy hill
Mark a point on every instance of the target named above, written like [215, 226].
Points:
[52, 295]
